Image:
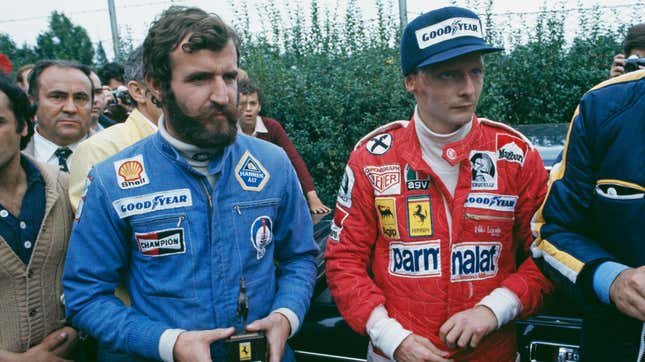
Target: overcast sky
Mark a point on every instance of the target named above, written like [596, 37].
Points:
[23, 20]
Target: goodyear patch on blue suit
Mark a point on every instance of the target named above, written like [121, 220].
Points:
[250, 173]
[261, 235]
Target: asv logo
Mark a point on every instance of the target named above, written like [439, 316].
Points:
[474, 261]
[415, 259]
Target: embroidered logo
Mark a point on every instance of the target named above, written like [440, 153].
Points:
[143, 204]
[386, 211]
[474, 260]
[379, 144]
[346, 186]
[419, 216]
[250, 173]
[385, 179]
[511, 149]
[162, 242]
[261, 235]
[131, 172]
[416, 180]
[491, 202]
[420, 259]
[484, 170]
[337, 225]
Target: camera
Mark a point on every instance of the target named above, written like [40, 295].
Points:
[633, 62]
[121, 96]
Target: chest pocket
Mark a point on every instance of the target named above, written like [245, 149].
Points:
[254, 223]
[162, 256]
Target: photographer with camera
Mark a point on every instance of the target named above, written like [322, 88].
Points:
[634, 56]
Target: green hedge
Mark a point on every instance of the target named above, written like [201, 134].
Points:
[330, 83]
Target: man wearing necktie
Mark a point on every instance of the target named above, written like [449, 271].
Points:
[61, 91]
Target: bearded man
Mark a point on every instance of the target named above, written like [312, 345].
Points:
[185, 215]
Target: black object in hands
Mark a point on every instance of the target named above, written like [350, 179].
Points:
[632, 63]
[243, 345]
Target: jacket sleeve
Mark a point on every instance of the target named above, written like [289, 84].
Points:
[528, 283]
[295, 249]
[349, 249]
[282, 139]
[563, 248]
[96, 261]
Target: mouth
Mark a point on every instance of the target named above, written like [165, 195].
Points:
[68, 122]
[463, 107]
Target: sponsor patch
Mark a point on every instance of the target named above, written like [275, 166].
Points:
[484, 170]
[416, 180]
[491, 202]
[162, 242]
[379, 144]
[415, 259]
[510, 148]
[386, 211]
[250, 173]
[474, 260]
[337, 225]
[81, 202]
[346, 186]
[448, 29]
[261, 235]
[131, 172]
[385, 179]
[419, 216]
[143, 204]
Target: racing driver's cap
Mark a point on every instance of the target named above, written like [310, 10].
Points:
[441, 35]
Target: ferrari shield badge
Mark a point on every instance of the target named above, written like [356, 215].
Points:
[261, 234]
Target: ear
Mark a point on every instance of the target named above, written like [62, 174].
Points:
[137, 92]
[411, 82]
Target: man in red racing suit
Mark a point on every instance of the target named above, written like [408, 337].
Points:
[429, 247]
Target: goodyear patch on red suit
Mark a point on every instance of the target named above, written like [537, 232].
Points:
[161, 242]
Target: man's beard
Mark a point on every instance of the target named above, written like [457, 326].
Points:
[193, 130]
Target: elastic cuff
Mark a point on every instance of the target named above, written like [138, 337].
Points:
[167, 343]
[604, 277]
[504, 304]
[294, 322]
[387, 334]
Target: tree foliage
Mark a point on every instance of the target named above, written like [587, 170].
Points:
[329, 82]
[64, 40]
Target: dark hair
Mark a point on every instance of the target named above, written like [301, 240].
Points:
[246, 87]
[635, 38]
[20, 106]
[134, 66]
[208, 31]
[20, 73]
[111, 71]
[34, 78]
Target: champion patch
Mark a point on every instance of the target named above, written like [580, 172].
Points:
[81, 202]
[261, 235]
[474, 261]
[380, 144]
[491, 202]
[346, 186]
[337, 225]
[162, 242]
[250, 173]
[131, 172]
[385, 179]
[386, 211]
[419, 216]
[511, 149]
[420, 259]
[484, 170]
[416, 180]
[143, 204]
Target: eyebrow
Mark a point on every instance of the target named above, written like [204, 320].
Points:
[198, 75]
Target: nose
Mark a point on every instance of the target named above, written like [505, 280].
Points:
[69, 106]
[219, 93]
[468, 86]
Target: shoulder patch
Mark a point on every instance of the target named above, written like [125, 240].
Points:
[507, 128]
[510, 148]
[250, 173]
[131, 172]
[346, 187]
[379, 144]
[383, 129]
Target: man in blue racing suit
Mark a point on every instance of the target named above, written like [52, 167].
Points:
[590, 227]
[182, 216]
